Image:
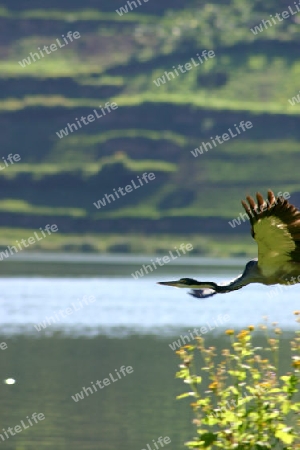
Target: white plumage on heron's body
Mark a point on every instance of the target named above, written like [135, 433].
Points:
[275, 226]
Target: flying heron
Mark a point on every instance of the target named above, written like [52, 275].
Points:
[275, 225]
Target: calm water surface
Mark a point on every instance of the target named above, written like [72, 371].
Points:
[131, 323]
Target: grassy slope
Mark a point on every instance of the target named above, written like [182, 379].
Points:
[250, 76]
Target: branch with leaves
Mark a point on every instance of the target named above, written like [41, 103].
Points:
[246, 404]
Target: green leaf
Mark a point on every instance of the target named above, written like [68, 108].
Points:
[286, 407]
[234, 390]
[184, 395]
[193, 444]
[208, 438]
[283, 433]
[262, 445]
[211, 420]
[197, 379]
[182, 373]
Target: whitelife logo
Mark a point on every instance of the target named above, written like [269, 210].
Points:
[219, 322]
[165, 260]
[3, 346]
[234, 404]
[294, 100]
[278, 289]
[225, 136]
[161, 441]
[53, 47]
[31, 240]
[65, 312]
[124, 9]
[265, 24]
[17, 428]
[245, 217]
[187, 66]
[146, 177]
[86, 119]
[11, 158]
[106, 382]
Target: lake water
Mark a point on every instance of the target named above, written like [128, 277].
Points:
[128, 323]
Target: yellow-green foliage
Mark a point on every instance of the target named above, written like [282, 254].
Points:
[247, 404]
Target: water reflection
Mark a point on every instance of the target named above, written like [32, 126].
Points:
[131, 323]
[128, 413]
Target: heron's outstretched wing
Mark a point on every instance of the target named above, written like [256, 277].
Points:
[276, 229]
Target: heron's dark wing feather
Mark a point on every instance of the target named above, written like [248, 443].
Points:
[202, 293]
[276, 229]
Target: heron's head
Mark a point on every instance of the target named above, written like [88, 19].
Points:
[182, 283]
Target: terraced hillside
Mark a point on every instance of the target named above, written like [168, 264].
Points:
[163, 114]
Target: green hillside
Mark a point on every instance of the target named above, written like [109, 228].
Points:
[155, 128]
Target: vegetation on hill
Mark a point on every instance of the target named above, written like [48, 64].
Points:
[155, 128]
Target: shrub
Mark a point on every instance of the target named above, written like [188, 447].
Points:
[246, 404]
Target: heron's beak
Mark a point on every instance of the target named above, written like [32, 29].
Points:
[168, 283]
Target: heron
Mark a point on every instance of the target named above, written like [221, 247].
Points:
[275, 226]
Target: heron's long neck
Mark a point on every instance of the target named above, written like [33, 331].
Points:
[232, 285]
